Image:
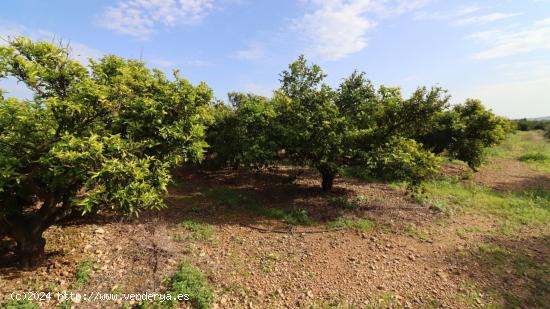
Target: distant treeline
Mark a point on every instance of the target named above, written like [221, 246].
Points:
[530, 125]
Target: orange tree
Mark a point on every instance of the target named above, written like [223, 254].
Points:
[103, 136]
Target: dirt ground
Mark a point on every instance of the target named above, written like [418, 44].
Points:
[391, 266]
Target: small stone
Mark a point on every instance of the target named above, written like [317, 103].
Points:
[223, 300]
[442, 275]
[99, 231]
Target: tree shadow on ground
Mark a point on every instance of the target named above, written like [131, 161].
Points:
[517, 271]
[523, 183]
[280, 189]
[272, 200]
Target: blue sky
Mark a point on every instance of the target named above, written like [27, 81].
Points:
[494, 50]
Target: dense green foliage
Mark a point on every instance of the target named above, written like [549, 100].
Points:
[241, 134]
[103, 136]
[307, 123]
[466, 131]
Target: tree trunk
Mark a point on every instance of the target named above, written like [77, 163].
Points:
[26, 229]
[30, 250]
[328, 180]
[30, 243]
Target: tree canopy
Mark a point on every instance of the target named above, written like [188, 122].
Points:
[102, 136]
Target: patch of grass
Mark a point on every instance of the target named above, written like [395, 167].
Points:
[535, 157]
[445, 207]
[238, 200]
[496, 252]
[413, 231]
[298, 217]
[530, 275]
[20, 304]
[332, 306]
[343, 202]
[231, 198]
[361, 174]
[529, 147]
[470, 295]
[197, 231]
[187, 281]
[386, 300]
[267, 263]
[360, 225]
[531, 208]
[83, 272]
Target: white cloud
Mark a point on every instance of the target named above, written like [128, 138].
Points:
[447, 16]
[337, 28]
[140, 18]
[253, 52]
[468, 10]
[504, 43]
[483, 19]
[542, 23]
[463, 16]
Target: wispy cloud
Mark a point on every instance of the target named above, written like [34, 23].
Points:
[459, 12]
[464, 16]
[252, 52]
[484, 19]
[79, 50]
[140, 18]
[504, 43]
[337, 28]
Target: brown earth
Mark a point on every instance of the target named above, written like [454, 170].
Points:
[413, 259]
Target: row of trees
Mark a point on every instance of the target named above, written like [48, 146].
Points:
[307, 123]
[531, 125]
[106, 135]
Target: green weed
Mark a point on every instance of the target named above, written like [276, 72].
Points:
[83, 272]
[360, 225]
[19, 304]
[188, 282]
[197, 231]
[343, 202]
[237, 200]
[535, 157]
